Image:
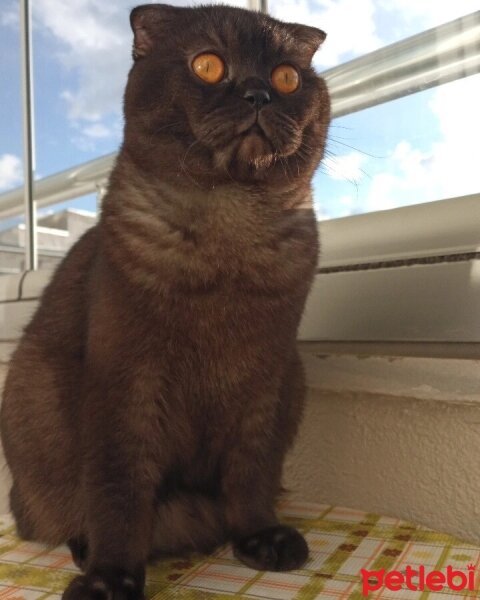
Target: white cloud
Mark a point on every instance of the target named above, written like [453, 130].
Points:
[347, 167]
[349, 24]
[428, 13]
[10, 16]
[10, 171]
[97, 131]
[86, 137]
[344, 207]
[449, 168]
[95, 42]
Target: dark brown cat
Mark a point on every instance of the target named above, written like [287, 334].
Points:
[152, 398]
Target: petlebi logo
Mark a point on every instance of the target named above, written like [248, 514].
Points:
[418, 579]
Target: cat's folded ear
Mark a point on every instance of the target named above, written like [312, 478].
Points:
[146, 21]
[309, 39]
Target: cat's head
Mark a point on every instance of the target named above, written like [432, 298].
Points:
[218, 93]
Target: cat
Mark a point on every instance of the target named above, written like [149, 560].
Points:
[152, 398]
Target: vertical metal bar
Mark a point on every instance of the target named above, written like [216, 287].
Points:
[101, 191]
[28, 137]
[258, 5]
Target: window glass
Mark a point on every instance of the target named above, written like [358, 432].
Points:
[82, 51]
[419, 148]
[10, 100]
[11, 255]
[415, 149]
[81, 57]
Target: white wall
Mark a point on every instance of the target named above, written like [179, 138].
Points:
[396, 454]
[4, 474]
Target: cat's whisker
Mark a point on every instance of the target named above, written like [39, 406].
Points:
[168, 126]
[211, 133]
[286, 169]
[152, 139]
[306, 146]
[298, 166]
[289, 169]
[183, 164]
[303, 154]
[337, 141]
[330, 163]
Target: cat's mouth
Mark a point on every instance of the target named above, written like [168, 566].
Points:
[248, 141]
[254, 147]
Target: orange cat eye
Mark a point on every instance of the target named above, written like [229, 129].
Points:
[209, 67]
[285, 79]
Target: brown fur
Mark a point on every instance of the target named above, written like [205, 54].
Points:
[152, 398]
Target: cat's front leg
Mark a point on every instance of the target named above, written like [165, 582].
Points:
[251, 482]
[119, 475]
[106, 584]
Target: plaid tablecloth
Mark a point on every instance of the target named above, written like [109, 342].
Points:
[342, 542]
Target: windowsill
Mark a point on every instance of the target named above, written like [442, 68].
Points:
[450, 380]
[456, 350]
[445, 371]
[364, 375]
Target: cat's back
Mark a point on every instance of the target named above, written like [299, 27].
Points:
[53, 341]
[61, 313]
[39, 410]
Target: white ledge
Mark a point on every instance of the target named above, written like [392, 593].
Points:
[442, 379]
[455, 381]
[402, 234]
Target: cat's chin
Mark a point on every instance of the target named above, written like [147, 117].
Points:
[255, 150]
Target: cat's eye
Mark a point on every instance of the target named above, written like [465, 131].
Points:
[209, 67]
[285, 79]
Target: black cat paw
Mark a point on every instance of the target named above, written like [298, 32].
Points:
[277, 548]
[105, 585]
[79, 549]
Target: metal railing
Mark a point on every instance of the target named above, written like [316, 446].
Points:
[28, 136]
[431, 58]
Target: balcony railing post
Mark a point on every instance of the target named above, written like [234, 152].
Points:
[28, 137]
[259, 5]
[101, 191]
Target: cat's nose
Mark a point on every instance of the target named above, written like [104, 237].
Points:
[257, 98]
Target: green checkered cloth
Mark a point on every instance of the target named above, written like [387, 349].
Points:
[342, 542]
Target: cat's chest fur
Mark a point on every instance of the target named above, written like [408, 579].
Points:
[170, 240]
[211, 282]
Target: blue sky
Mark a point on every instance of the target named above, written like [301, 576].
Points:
[402, 152]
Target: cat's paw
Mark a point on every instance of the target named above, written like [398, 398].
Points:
[105, 585]
[276, 548]
[79, 549]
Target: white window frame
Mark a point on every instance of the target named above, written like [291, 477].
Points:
[410, 274]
